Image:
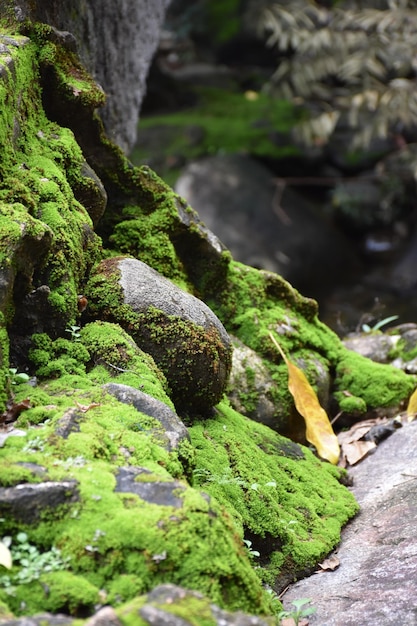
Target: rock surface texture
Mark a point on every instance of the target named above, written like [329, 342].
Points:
[376, 582]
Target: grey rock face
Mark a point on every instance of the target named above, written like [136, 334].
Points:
[376, 580]
[143, 287]
[116, 42]
[26, 502]
[175, 431]
[162, 492]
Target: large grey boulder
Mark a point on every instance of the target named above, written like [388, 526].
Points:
[116, 42]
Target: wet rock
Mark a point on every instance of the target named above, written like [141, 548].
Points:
[174, 430]
[262, 224]
[184, 337]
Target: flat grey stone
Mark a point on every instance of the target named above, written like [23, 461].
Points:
[376, 582]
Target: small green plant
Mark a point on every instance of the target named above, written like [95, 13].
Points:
[28, 562]
[74, 334]
[16, 378]
[252, 553]
[205, 476]
[299, 612]
[373, 329]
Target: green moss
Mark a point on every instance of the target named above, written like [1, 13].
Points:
[13, 474]
[252, 304]
[110, 346]
[55, 592]
[100, 533]
[148, 240]
[376, 384]
[35, 191]
[123, 588]
[4, 363]
[273, 488]
[196, 611]
[55, 358]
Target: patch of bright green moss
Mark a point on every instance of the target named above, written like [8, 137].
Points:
[376, 384]
[61, 592]
[103, 353]
[147, 238]
[272, 488]
[11, 475]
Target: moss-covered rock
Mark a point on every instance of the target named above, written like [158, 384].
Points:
[180, 535]
[59, 246]
[187, 341]
[290, 505]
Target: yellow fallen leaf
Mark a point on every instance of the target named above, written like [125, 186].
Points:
[5, 556]
[319, 431]
[412, 406]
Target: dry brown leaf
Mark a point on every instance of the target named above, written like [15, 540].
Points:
[357, 450]
[331, 563]
[86, 407]
[319, 431]
[355, 433]
[13, 410]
